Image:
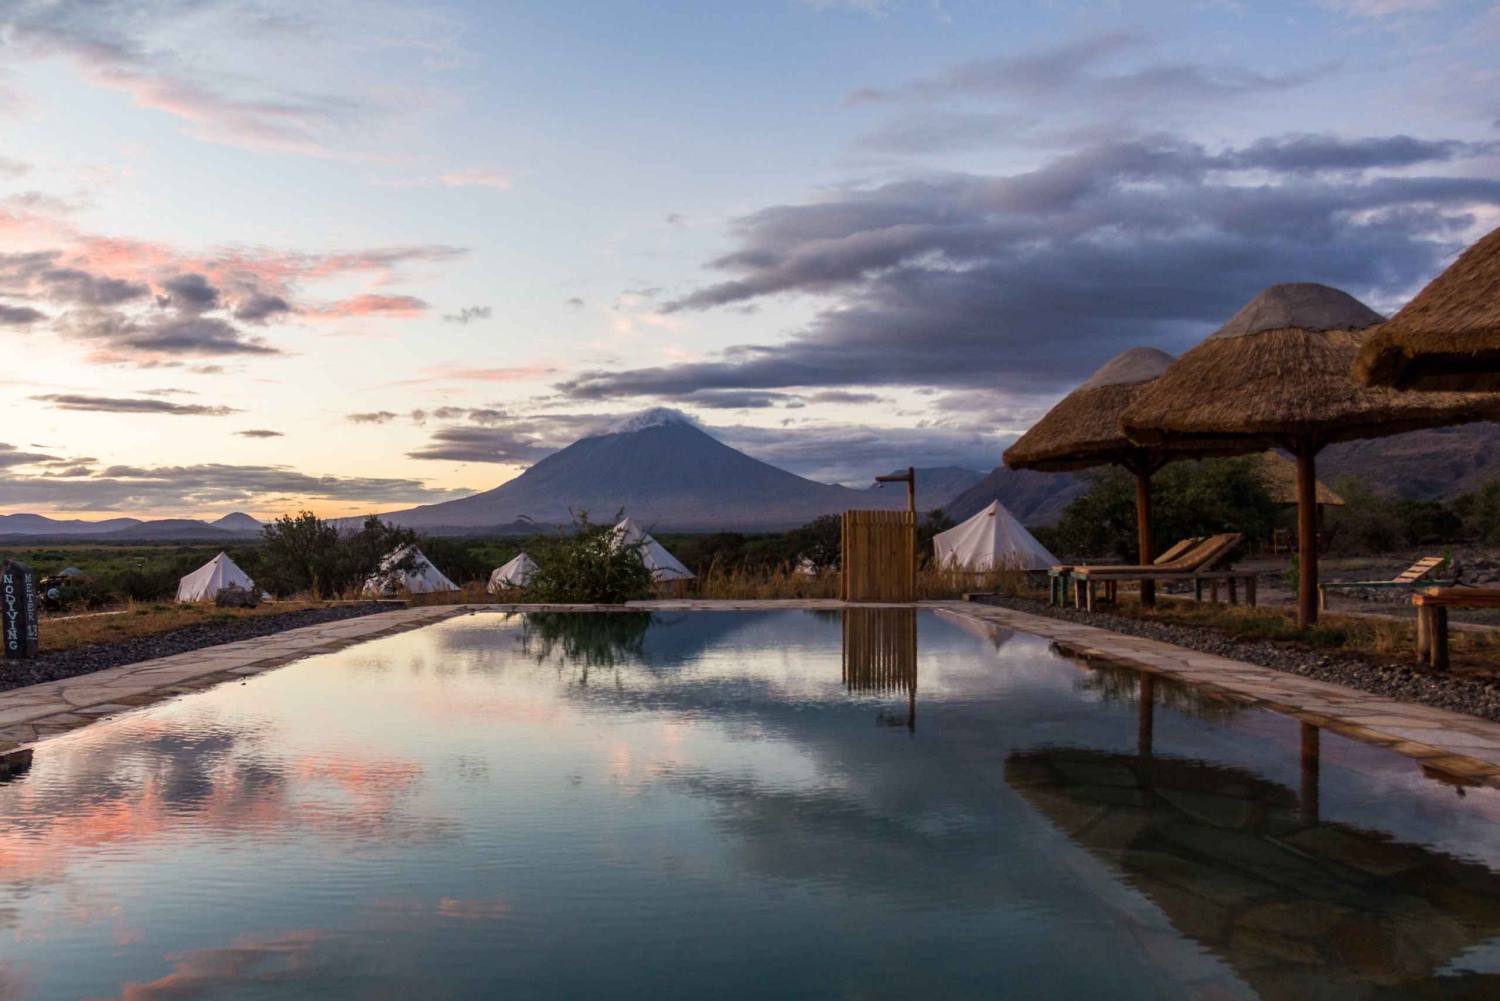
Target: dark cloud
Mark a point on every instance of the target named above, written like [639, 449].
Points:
[129, 339]
[191, 293]
[842, 396]
[469, 314]
[575, 302]
[376, 417]
[258, 308]
[210, 485]
[483, 444]
[19, 316]
[1028, 282]
[117, 405]
[81, 288]
[738, 399]
[677, 220]
[260, 433]
[12, 456]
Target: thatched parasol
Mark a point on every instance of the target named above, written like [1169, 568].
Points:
[1448, 337]
[1280, 372]
[1083, 431]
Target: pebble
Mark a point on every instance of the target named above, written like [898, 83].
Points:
[1398, 681]
[100, 656]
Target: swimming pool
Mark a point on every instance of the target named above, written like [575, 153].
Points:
[734, 804]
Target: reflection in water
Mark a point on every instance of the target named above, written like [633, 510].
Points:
[880, 655]
[433, 814]
[604, 639]
[1297, 906]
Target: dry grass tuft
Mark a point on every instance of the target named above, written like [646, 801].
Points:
[140, 619]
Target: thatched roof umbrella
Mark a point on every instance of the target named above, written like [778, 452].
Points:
[1083, 431]
[1280, 373]
[1448, 337]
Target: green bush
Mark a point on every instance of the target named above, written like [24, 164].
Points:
[306, 553]
[586, 566]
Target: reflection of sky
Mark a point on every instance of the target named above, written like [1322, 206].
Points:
[443, 812]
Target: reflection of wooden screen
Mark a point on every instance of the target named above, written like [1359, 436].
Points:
[880, 649]
[879, 556]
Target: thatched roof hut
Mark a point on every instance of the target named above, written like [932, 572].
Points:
[1281, 372]
[1448, 337]
[1083, 430]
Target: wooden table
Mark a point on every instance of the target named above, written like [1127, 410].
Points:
[1432, 618]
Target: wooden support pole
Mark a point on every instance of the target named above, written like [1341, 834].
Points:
[1307, 535]
[1311, 766]
[1143, 530]
[1439, 638]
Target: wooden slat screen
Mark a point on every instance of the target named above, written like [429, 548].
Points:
[879, 556]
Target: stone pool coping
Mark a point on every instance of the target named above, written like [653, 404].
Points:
[1465, 747]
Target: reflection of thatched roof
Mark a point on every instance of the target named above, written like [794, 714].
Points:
[1280, 476]
[1083, 430]
[1299, 908]
[1448, 337]
[1282, 369]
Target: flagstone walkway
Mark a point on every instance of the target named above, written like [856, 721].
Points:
[1459, 745]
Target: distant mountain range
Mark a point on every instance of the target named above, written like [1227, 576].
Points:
[937, 486]
[235, 527]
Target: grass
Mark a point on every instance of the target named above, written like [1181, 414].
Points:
[151, 620]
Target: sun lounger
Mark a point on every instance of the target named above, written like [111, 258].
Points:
[1432, 618]
[1057, 590]
[1195, 565]
[1419, 574]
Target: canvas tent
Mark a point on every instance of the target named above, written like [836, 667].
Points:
[991, 540]
[662, 564]
[212, 577]
[516, 573]
[422, 578]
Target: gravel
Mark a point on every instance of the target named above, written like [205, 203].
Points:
[99, 656]
[1396, 680]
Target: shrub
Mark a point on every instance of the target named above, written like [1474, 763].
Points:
[306, 553]
[820, 542]
[587, 566]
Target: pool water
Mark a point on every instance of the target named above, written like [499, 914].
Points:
[873, 804]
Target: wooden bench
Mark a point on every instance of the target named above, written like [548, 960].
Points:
[1195, 564]
[1432, 618]
[1086, 587]
[1058, 577]
[1419, 574]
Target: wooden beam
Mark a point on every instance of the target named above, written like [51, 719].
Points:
[1307, 534]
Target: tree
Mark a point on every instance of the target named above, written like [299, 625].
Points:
[589, 566]
[305, 553]
[1188, 498]
[820, 542]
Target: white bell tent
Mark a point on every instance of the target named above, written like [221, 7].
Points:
[991, 540]
[212, 577]
[422, 578]
[516, 573]
[662, 564]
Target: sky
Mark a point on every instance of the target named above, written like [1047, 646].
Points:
[261, 255]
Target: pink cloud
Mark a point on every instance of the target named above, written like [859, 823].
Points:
[474, 176]
[403, 306]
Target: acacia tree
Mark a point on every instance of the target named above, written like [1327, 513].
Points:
[304, 553]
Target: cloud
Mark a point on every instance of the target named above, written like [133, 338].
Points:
[117, 405]
[677, 220]
[1027, 282]
[19, 316]
[1380, 8]
[1081, 69]
[260, 433]
[12, 456]
[576, 302]
[11, 169]
[377, 417]
[468, 314]
[483, 444]
[474, 176]
[208, 486]
[191, 293]
[372, 305]
[259, 308]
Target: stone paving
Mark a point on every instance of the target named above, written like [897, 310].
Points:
[1461, 746]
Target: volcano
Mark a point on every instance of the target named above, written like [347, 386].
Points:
[661, 469]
